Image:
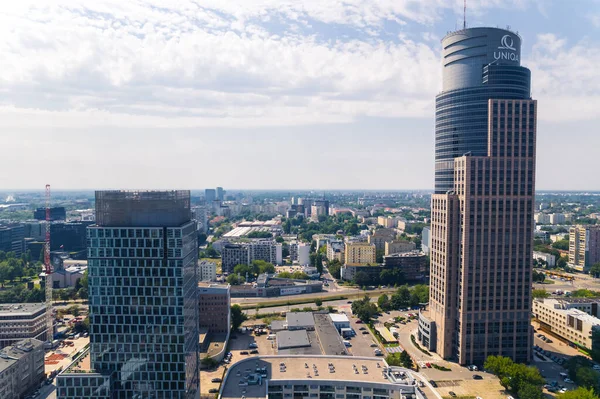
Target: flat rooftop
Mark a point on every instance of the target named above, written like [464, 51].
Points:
[299, 319]
[20, 309]
[309, 368]
[292, 339]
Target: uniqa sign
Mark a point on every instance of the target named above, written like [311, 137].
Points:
[506, 43]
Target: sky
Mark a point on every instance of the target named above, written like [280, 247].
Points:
[271, 94]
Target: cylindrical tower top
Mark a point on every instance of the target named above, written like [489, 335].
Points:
[466, 52]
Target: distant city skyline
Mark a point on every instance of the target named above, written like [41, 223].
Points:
[270, 94]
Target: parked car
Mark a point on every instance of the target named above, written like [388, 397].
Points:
[365, 332]
[477, 377]
[254, 352]
[213, 390]
[216, 380]
[569, 381]
[433, 384]
[243, 352]
[451, 393]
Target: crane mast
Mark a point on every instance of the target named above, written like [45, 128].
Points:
[48, 272]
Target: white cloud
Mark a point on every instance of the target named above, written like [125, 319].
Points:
[565, 78]
[133, 63]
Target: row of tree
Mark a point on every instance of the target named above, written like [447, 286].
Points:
[14, 268]
[523, 380]
[404, 297]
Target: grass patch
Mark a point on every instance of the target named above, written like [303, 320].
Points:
[548, 281]
[391, 345]
[415, 343]
[441, 368]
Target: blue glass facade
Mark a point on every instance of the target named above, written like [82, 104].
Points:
[143, 296]
[474, 73]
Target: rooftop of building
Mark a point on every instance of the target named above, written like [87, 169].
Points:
[81, 364]
[584, 317]
[205, 287]
[408, 254]
[311, 369]
[292, 339]
[299, 319]
[338, 317]
[11, 354]
[20, 309]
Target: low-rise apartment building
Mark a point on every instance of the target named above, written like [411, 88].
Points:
[563, 318]
[360, 254]
[214, 305]
[207, 271]
[22, 320]
[335, 250]
[399, 246]
[548, 258]
[21, 368]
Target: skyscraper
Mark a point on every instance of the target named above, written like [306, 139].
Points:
[209, 196]
[142, 255]
[482, 209]
[220, 194]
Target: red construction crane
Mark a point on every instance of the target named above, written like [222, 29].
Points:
[48, 272]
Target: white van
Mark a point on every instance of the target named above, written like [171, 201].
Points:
[271, 337]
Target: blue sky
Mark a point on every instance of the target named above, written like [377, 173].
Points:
[270, 94]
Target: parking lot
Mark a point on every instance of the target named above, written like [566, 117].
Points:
[361, 343]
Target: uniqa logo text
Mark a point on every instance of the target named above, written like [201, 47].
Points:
[504, 55]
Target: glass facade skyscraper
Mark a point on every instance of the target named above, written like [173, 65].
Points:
[482, 210]
[479, 64]
[142, 256]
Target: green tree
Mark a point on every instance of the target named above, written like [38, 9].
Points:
[579, 393]
[75, 310]
[298, 275]
[237, 317]
[319, 263]
[595, 270]
[405, 359]
[361, 279]
[379, 256]
[364, 309]
[234, 279]
[242, 270]
[561, 244]
[334, 268]
[540, 293]
[562, 262]
[587, 377]
[5, 272]
[279, 239]
[539, 277]
[318, 302]
[383, 302]
[530, 391]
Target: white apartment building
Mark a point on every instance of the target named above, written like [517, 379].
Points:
[303, 254]
[207, 271]
[335, 250]
[542, 218]
[548, 258]
[564, 319]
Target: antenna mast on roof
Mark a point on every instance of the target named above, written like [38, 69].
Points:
[465, 15]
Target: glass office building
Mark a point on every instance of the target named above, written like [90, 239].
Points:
[479, 64]
[142, 256]
[482, 211]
